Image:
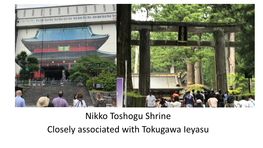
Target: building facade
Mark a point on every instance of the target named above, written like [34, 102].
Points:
[58, 36]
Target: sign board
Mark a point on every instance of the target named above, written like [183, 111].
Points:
[182, 36]
[63, 48]
[99, 86]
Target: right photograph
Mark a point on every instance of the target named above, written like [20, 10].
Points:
[186, 55]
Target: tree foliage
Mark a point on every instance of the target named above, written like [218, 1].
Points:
[106, 78]
[243, 14]
[196, 87]
[89, 66]
[241, 82]
[28, 65]
[162, 57]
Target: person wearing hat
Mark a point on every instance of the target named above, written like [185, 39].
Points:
[43, 102]
[198, 103]
[188, 99]
[150, 100]
[50, 104]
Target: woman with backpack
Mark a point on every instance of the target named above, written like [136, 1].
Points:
[79, 101]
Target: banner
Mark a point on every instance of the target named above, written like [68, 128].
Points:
[119, 86]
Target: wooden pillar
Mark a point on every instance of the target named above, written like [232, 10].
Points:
[190, 73]
[227, 57]
[144, 70]
[172, 67]
[202, 74]
[197, 67]
[136, 59]
[232, 57]
[220, 63]
[123, 43]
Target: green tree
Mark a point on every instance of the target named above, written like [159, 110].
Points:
[105, 77]
[108, 79]
[28, 65]
[208, 66]
[163, 57]
[170, 13]
[90, 65]
[243, 14]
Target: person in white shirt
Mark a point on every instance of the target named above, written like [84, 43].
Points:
[236, 105]
[157, 102]
[243, 103]
[150, 100]
[251, 102]
[79, 101]
[175, 102]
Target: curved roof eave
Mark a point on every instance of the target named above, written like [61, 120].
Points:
[59, 34]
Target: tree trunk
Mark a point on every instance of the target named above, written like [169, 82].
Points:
[202, 74]
[197, 68]
[220, 64]
[250, 84]
[190, 73]
[123, 43]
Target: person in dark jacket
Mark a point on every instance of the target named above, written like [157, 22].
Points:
[99, 102]
[230, 102]
[50, 104]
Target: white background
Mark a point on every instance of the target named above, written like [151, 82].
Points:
[27, 127]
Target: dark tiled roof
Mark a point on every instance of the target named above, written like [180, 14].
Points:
[64, 34]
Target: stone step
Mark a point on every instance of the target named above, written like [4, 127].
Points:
[32, 94]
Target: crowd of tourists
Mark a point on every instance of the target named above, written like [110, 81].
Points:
[44, 101]
[190, 99]
[199, 99]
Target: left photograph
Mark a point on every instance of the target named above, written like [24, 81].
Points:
[65, 55]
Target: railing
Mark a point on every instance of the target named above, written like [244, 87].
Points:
[28, 83]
